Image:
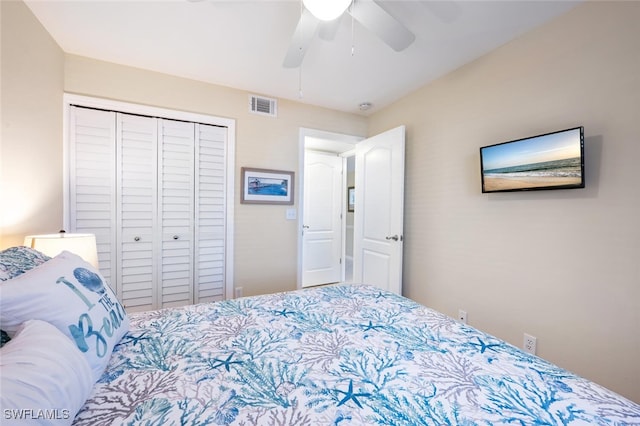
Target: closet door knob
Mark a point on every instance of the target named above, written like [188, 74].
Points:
[136, 238]
[175, 237]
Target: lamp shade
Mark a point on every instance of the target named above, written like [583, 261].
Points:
[84, 245]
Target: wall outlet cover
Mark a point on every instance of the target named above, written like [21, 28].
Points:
[462, 316]
[529, 344]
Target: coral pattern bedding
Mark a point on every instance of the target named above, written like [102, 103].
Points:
[334, 355]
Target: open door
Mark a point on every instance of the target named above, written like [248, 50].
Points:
[379, 208]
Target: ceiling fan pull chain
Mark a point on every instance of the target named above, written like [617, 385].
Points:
[353, 31]
[300, 94]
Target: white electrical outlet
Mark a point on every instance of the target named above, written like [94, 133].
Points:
[529, 344]
[238, 292]
[462, 316]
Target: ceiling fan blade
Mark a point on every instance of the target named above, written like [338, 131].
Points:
[302, 36]
[328, 29]
[377, 20]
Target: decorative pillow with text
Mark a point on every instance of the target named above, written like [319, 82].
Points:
[70, 294]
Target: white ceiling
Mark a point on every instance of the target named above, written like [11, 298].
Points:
[242, 44]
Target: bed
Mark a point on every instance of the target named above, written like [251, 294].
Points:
[335, 355]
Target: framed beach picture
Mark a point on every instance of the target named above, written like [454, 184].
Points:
[264, 186]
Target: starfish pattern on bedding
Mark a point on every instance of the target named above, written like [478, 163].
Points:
[284, 312]
[226, 363]
[350, 395]
[484, 346]
[370, 326]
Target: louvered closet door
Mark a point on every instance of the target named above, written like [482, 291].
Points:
[210, 225]
[92, 180]
[153, 190]
[137, 209]
[176, 212]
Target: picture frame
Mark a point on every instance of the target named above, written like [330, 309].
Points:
[266, 186]
[351, 198]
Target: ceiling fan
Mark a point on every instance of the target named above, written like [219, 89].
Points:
[315, 18]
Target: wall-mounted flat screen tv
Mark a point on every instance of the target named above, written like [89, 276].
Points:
[550, 161]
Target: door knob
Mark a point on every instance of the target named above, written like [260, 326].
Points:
[175, 237]
[136, 238]
[392, 237]
[305, 226]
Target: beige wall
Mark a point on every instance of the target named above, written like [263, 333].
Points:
[561, 265]
[31, 84]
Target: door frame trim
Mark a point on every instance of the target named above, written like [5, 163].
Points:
[305, 133]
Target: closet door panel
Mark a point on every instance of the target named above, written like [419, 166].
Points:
[92, 182]
[153, 191]
[176, 211]
[210, 225]
[137, 205]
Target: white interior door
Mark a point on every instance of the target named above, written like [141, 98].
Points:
[379, 206]
[322, 223]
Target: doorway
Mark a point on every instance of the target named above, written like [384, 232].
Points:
[325, 246]
[378, 205]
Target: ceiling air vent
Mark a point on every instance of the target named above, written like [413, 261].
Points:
[262, 105]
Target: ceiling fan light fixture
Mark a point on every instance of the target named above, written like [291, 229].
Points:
[326, 10]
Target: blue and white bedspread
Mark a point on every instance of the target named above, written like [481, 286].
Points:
[341, 355]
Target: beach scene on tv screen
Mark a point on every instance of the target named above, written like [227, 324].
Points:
[543, 161]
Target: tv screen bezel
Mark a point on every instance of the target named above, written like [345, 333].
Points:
[541, 187]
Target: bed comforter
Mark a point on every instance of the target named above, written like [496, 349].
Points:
[338, 355]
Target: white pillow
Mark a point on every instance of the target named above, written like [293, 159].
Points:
[69, 293]
[43, 376]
